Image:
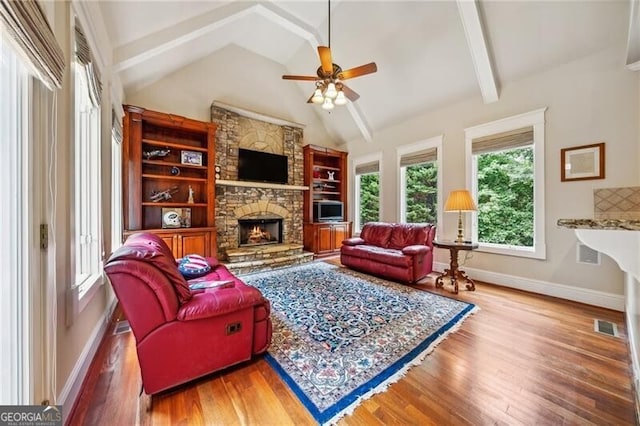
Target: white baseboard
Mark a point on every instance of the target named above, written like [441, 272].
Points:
[72, 387]
[563, 291]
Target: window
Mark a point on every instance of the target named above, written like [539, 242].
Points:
[419, 181]
[116, 182]
[87, 207]
[367, 191]
[14, 297]
[507, 181]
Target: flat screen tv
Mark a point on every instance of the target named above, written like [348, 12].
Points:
[327, 211]
[257, 166]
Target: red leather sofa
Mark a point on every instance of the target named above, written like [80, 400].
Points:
[183, 334]
[397, 251]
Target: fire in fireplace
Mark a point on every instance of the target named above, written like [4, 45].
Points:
[254, 232]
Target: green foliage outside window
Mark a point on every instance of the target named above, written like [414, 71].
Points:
[421, 193]
[369, 198]
[505, 197]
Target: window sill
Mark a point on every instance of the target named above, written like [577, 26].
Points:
[532, 253]
[88, 290]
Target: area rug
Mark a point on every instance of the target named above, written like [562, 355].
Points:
[340, 336]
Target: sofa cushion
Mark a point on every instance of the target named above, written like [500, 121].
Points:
[408, 234]
[378, 255]
[151, 248]
[376, 233]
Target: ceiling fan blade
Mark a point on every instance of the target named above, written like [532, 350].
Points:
[358, 71]
[350, 94]
[325, 59]
[300, 77]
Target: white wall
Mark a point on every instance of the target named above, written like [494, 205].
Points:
[224, 77]
[594, 99]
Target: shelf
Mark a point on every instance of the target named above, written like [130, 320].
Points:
[327, 192]
[173, 145]
[152, 204]
[319, 167]
[322, 180]
[169, 177]
[173, 164]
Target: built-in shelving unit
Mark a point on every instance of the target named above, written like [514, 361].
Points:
[325, 173]
[175, 156]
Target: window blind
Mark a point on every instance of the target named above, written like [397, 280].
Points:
[27, 25]
[367, 168]
[419, 157]
[116, 127]
[84, 56]
[501, 141]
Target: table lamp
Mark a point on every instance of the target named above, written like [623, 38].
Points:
[460, 200]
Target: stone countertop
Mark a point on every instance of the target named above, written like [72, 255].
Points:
[607, 224]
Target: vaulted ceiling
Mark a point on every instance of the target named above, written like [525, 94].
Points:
[429, 53]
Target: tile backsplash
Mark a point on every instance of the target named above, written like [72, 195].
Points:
[617, 203]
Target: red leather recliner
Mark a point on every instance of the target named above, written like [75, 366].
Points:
[183, 334]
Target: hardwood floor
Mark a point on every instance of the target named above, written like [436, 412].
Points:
[522, 359]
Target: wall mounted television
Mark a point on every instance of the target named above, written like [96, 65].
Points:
[257, 166]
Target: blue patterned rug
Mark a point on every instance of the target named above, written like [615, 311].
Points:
[340, 336]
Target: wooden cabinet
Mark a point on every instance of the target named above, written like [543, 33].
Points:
[169, 179]
[325, 238]
[325, 173]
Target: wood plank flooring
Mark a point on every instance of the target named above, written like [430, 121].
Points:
[523, 359]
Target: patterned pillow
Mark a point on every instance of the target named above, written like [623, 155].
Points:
[193, 266]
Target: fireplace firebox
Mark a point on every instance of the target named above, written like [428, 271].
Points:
[253, 232]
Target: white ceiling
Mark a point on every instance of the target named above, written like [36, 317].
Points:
[428, 53]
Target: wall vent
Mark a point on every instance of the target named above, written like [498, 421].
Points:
[605, 327]
[587, 255]
[122, 327]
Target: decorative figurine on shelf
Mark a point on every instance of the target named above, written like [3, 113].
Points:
[190, 200]
[157, 196]
[330, 174]
[150, 155]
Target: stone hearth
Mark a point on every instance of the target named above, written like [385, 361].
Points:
[242, 202]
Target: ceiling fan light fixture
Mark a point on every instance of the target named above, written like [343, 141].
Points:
[327, 104]
[331, 91]
[341, 99]
[317, 97]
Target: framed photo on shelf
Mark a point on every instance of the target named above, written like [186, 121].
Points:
[176, 217]
[191, 157]
[582, 162]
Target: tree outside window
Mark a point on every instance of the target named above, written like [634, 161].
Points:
[421, 193]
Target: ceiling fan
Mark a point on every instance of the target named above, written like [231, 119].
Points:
[330, 89]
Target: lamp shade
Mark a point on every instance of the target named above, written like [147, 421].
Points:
[459, 200]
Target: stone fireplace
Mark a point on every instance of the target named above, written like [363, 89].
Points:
[239, 203]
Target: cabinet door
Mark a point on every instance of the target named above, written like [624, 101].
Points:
[325, 239]
[171, 241]
[340, 233]
[194, 243]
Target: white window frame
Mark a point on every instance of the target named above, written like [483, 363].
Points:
[116, 192]
[87, 262]
[433, 142]
[16, 357]
[533, 119]
[357, 226]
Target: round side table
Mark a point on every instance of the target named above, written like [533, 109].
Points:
[453, 272]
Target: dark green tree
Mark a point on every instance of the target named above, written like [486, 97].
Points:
[505, 197]
[369, 198]
[422, 193]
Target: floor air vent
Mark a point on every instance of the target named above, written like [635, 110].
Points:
[605, 327]
[122, 327]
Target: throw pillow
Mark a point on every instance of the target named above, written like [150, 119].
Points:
[193, 266]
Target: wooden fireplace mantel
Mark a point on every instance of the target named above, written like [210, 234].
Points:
[246, 184]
